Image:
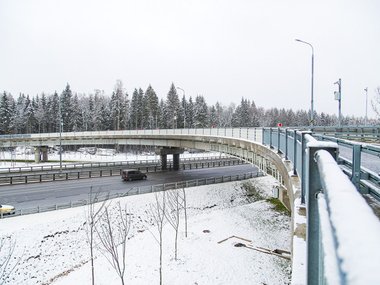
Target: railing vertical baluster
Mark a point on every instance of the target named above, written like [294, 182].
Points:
[304, 177]
[356, 161]
[286, 144]
[295, 152]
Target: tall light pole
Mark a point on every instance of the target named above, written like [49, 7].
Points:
[338, 96]
[184, 108]
[312, 81]
[366, 106]
[60, 136]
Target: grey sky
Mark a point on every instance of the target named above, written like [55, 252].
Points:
[221, 49]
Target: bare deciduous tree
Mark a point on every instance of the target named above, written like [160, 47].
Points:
[184, 206]
[172, 215]
[157, 213]
[112, 238]
[92, 217]
[376, 102]
[8, 262]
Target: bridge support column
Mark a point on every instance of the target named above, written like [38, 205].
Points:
[44, 150]
[37, 154]
[164, 151]
[176, 161]
[164, 161]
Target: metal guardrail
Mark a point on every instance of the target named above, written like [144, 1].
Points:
[351, 133]
[338, 218]
[292, 144]
[107, 164]
[24, 178]
[366, 180]
[140, 190]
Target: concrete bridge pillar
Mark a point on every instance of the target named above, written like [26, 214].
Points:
[44, 150]
[164, 151]
[37, 154]
[164, 161]
[175, 161]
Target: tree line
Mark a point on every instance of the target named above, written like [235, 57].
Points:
[143, 110]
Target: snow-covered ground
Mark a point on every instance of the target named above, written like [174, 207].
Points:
[54, 247]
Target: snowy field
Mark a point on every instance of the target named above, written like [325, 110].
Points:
[53, 247]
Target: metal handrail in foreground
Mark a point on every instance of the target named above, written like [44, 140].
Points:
[342, 232]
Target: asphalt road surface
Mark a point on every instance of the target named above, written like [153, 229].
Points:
[25, 196]
[369, 161]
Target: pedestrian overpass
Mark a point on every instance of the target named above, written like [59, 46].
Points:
[336, 236]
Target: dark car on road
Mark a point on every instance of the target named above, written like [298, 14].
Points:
[132, 174]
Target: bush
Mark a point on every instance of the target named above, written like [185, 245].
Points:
[253, 190]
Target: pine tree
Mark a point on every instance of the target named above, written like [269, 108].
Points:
[77, 114]
[29, 109]
[125, 109]
[182, 113]
[220, 118]
[5, 113]
[190, 114]
[90, 113]
[162, 123]
[172, 107]
[98, 120]
[151, 108]
[18, 115]
[40, 113]
[200, 112]
[141, 110]
[213, 121]
[253, 115]
[66, 109]
[117, 106]
[134, 114]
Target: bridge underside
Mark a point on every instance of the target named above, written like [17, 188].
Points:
[263, 157]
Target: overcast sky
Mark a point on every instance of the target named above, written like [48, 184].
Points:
[223, 50]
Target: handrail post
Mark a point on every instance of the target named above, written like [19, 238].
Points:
[286, 144]
[295, 152]
[270, 138]
[303, 165]
[356, 161]
[313, 187]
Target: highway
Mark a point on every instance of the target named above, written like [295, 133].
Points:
[26, 196]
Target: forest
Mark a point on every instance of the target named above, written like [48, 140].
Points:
[143, 110]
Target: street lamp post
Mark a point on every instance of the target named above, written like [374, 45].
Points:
[60, 136]
[312, 81]
[338, 96]
[60, 145]
[366, 106]
[184, 108]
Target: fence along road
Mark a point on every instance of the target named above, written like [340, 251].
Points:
[53, 195]
[104, 169]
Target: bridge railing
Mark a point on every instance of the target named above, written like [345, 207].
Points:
[342, 231]
[252, 134]
[362, 133]
[361, 164]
